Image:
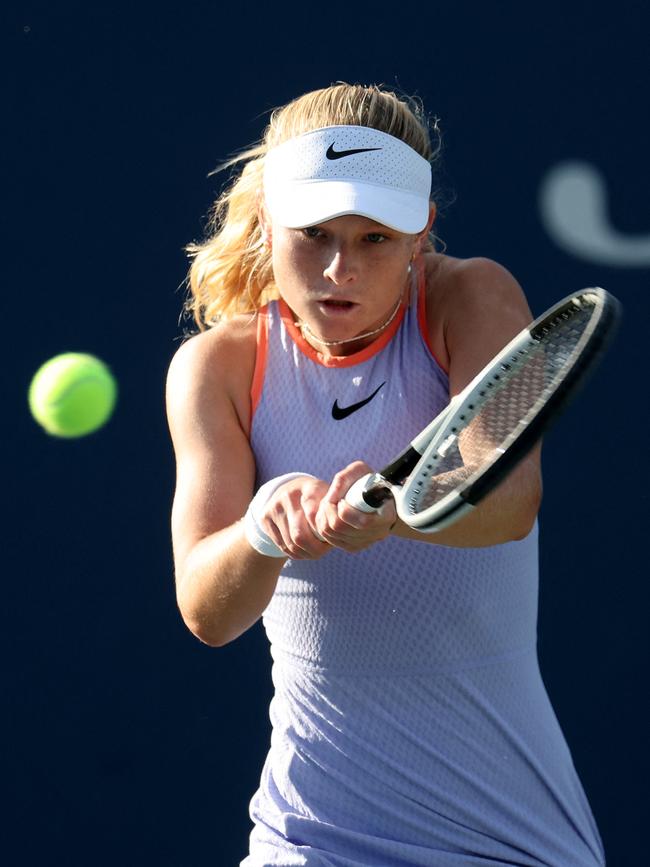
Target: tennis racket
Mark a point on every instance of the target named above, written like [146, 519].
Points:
[466, 451]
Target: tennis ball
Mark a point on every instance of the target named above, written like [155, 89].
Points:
[72, 394]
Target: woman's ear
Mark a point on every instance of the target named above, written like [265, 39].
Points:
[424, 234]
[432, 216]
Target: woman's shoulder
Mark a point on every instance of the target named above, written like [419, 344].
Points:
[464, 292]
[216, 364]
[454, 280]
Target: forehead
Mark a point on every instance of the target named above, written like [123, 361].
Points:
[353, 223]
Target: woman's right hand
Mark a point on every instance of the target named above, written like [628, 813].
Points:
[289, 518]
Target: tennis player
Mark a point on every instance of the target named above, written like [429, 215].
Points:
[410, 722]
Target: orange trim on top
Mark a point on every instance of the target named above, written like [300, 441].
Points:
[339, 360]
[262, 341]
[422, 314]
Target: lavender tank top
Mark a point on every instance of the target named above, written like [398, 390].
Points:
[410, 723]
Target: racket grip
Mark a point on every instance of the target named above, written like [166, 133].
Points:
[368, 493]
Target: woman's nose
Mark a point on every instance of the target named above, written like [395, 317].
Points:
[341, 268]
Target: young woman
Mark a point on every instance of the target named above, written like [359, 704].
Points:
[411, 725]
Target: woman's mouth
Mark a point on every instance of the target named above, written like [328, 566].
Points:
[334, 306]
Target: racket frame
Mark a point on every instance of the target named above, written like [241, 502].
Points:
[396, 478]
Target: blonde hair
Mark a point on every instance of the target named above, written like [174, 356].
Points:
[231, 271]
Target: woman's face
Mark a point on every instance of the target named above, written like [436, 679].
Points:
[343, 277]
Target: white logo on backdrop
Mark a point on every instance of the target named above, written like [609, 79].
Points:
[573, 205]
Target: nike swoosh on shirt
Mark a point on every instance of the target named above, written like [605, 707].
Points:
[331, 154]
[340, 412]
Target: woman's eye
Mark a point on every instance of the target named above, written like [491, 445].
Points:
[376, 237]
[311, 231]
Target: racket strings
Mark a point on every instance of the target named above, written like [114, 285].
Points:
[501, 409]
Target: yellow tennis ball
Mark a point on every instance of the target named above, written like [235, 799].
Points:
[72, 394]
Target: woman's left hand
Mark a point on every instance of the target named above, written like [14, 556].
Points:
[345, 527]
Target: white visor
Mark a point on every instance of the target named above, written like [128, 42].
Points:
[341, 170]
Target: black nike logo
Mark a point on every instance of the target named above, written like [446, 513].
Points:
[337, 155]
[339, 412]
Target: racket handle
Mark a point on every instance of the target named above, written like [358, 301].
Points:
[368, 493]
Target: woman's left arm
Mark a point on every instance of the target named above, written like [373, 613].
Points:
[482, 308]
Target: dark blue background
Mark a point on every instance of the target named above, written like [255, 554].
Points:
[126, 740]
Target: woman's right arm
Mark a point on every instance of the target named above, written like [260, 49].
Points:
[222, 584]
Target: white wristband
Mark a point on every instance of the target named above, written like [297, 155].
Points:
[255, 535]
